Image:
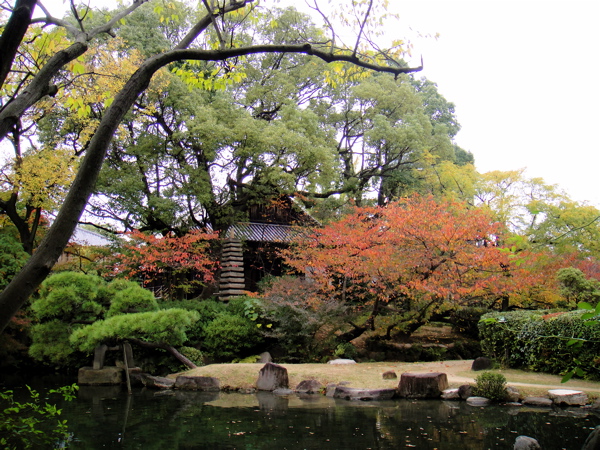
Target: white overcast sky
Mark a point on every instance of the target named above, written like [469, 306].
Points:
[524, 76]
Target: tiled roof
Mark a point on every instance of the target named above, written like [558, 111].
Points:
[82, 236]
[262, 232]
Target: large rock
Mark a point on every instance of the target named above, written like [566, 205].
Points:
[271, 377]
[309, 387]
[593, 440]
[348, 393]
[422, 385]
[568, 397]
[97, 377]
[526, 443]
[153, 382]
[205, 384]
[482, 363]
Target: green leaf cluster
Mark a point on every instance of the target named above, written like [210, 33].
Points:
[12, 258]
[34, 423]
[163, 326]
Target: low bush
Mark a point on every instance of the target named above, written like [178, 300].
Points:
[491, 385]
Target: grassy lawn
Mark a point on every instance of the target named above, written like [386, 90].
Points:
[369, 375]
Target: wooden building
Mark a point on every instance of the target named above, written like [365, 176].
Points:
[251, 249]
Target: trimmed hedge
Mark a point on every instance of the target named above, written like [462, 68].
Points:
[542, 341]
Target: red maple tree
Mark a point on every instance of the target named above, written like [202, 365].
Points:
[412, 259]
[181, 262]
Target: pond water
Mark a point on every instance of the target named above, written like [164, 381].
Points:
[107, 417]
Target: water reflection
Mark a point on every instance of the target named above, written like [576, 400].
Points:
[107, 417]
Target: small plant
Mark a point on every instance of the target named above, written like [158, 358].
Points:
[490, 385]
[33, 424]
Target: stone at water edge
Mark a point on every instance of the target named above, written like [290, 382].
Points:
[451, 394]
[330, 388]
[526, 443]
[205, 384]
[309, 387]
[478, 401]
[568, 397]
[465, 391]
[363, 394]
[537, 401]
[422, 385]
[271, 377]
[108, 375]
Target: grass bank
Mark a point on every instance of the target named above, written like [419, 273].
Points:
[369, 375]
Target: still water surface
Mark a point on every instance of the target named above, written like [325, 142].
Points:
[107, 417]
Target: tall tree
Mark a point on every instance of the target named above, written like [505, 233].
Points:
[42, 83]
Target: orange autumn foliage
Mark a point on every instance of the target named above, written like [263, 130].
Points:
[419, 249]
[149, 255]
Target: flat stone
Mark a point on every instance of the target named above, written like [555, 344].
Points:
[205, 384]
[97, 377]
[341, 361]
[568, 397]
[478, 401]
[537, 401]
[451, 394]
[348, 393]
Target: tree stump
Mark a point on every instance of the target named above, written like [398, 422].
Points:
[422, 385]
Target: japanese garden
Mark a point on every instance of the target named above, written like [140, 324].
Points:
[208, 190]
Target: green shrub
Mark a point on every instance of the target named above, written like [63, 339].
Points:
[491, 385]
[229, 336]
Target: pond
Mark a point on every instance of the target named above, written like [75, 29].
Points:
[107, 417]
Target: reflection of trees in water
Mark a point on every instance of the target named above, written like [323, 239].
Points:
[108, 417]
